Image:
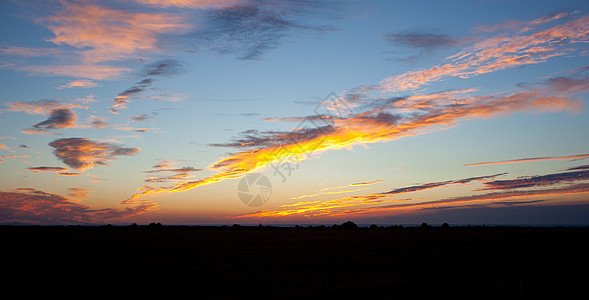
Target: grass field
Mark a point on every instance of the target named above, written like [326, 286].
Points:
[179, 262]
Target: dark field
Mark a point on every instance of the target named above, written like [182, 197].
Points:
[195, 262]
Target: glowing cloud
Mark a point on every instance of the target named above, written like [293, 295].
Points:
[376, 125]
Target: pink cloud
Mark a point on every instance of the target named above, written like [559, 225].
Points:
[35, 206]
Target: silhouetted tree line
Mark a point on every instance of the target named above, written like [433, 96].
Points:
[348, 225]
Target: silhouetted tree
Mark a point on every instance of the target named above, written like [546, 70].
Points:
[373, 226]
[154, 225]
[445, 225]
[349, 225]
[424, 226]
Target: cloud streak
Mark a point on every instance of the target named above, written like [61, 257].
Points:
[166, 68]
[497, 53]
[536, 181]
[422, 40]
[380, 124]
[534, 159]
[57, 170]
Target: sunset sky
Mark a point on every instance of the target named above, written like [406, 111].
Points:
[379, 112]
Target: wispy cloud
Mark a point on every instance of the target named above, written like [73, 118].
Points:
[78, 193]
[366, 183]
[524, 160]
[392, 120]
[57, 170]
[167, 68]
[166, 166]
[583, 167]
[83, 154]
[139, 118]
[251, 29]
[13, 156]
[47, 169]
[82, 83]
[424, 41]
[513, 25]
[497, 53]
[535, 181]
[35, 206]
[432, 185]
[381, 202]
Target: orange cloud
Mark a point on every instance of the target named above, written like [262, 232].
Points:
[523, 160]
[82, 154]
[31, 205]
[495, 54]
[340, 207]
[83, 83]
[108, 34]
[12, 156]
[372, 126]
[78, 193]
[101, 38]
[367, 183]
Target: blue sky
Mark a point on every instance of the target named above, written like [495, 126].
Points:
[148, 110]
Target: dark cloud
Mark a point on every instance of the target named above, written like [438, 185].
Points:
[251, 30]
[58, 118]
[24, 146]
[300, 134]
[47, 169]
[166, 166]
[60, 115]
[422, 41]
[583, 167]
[438, 184]
[99, 122]
[177, 170]
[165, 68]
[575, 84]
[82, 154]
[535, 181]
[140, 118]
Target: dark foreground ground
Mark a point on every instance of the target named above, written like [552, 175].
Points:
[192, 262]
